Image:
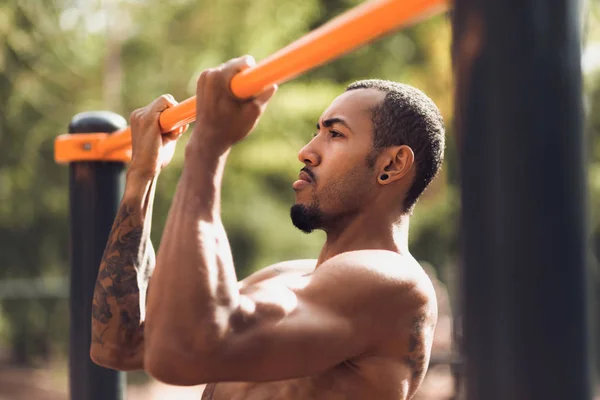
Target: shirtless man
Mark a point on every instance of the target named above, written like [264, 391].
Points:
[357, 323]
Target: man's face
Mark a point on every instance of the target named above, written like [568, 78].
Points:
[336, 181]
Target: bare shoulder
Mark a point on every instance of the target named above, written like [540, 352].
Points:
[304, 266]
[383, 269]
[401, 306]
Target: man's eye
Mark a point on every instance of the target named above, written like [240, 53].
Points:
[335, 134]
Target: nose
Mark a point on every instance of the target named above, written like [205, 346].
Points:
[308, 154]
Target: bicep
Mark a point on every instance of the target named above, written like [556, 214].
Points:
[282, 332]
[278, 336]
[339, 313]
[304, 341]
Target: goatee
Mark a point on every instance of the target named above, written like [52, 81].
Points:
[307, 219]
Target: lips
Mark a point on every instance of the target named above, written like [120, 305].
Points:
[304, 176]
[305, 179]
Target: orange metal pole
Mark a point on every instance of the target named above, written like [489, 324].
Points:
[348, 31]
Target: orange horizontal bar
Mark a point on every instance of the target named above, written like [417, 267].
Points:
[339, 36]
[84, 147]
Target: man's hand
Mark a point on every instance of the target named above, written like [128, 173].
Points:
[221, 118]
[152, 150]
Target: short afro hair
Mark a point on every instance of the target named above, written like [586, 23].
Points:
[406, 116]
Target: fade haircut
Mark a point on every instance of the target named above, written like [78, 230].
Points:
[406, 116]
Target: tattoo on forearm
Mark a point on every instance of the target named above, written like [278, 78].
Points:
[118, 278]
[416, 356]
[100, 307]
[100, 312]
[97, 338]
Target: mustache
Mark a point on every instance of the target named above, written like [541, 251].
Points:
[309, 173]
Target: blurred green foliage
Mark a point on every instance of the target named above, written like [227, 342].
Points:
[61, 57]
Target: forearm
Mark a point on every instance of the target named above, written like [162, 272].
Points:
[198, 286]
[119, 296]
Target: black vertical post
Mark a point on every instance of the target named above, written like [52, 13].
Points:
[519, 120]
[96, 188]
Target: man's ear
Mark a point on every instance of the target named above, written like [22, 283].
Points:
[396, 163]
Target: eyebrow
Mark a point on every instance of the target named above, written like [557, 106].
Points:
[329, 122]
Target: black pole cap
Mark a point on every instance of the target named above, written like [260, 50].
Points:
[97, 121]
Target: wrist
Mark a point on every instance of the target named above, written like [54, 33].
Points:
[202, 174]
[206, 142]
[136, 173]
[204, 164]
[204, 155]
[137, 183]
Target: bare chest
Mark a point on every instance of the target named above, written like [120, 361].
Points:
[342, 383]
[284, 390]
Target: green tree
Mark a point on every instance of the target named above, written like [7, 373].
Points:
[66, 56]
[38, 74]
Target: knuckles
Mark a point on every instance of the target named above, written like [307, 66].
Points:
[136, 116]
[212, 77]
[162, 102]
[149, 113]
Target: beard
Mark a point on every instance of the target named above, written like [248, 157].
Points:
[344, 197]
[306, 218]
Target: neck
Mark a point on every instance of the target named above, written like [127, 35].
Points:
[364, 232]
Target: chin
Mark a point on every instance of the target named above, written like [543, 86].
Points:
[306, 218]
[299, 201]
